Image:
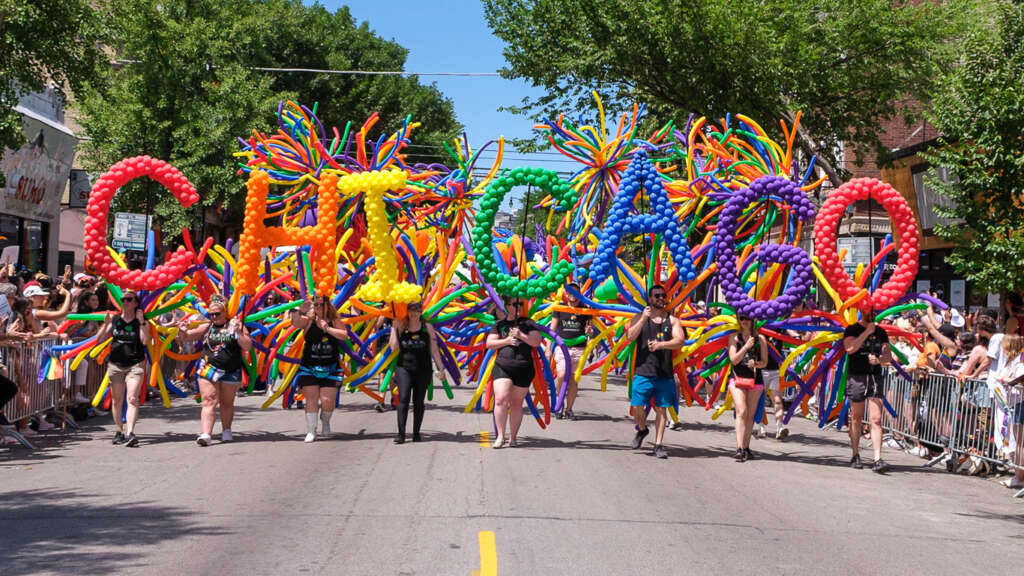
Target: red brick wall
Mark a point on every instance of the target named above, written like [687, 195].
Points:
[894, 134]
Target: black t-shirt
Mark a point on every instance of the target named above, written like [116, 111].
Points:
[320, 348]
[126, 348]
[414, 350]
[741, 370]
[874, 344]
[221, 349]
[518, 355]
[654, 364]
[572, 326]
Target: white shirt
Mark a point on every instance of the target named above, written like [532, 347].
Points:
[995, 353]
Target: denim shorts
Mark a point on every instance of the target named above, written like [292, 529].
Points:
[662, 390]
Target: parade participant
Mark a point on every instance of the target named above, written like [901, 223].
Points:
[513, 338]
[220, 367]
[86, 303]
[126, 364]
[659, 334]
[867, 349]
[416, 344]
[319, 374]
[748, 353]
[770, 375]
[570, 326]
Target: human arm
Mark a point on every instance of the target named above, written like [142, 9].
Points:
[300, 317]
[762, 360]
[393, 336]
[678, 337]
[495, 341]
[332, 328]
[56, 315]
[636, 325]
[737, 351]
[852, 344]
[144, 336]
[186, 334]
[241, 334]
[531, 337]
[939, 337]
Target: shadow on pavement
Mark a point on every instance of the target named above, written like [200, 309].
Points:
[61, 530]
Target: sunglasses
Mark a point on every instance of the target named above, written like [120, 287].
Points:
[129, 299]
[659, 296]
[216, 314]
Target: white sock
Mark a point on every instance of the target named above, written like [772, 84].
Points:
[311, 423]
[325, 421]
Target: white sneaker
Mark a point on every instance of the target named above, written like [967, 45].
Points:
[44, 425]
[204, 440]
[311, 436]
[1011, 482]
[760, 432]
[225, 435]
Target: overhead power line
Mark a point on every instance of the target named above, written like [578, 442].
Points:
[344, 72]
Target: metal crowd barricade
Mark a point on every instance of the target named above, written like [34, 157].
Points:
[965, 420]
[33, 398]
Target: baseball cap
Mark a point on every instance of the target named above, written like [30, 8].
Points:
[81, 276]
[956, 319]
[35, 291]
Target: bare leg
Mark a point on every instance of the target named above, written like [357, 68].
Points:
[739, 403]
[135, 388]
[502, 393]
[640, 417]
[312, 396]
[875, 409]
[116, 402]
[660, 419]
[753, 397]
[854, 428]
[227, 405]
[210, 394]
[516, 396]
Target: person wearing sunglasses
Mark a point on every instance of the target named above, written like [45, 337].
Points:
[748, 353]
[570, 327]
[220, 367]
[126, 364]
[656, 333]
[513, 338]
[319, 374]
[416, 344]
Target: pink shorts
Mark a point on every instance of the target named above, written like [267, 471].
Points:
[575, 355]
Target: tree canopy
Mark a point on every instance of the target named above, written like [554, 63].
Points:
[846, 65]
[43, 42]
[185, 86]
[981, 116]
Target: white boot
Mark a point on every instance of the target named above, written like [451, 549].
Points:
[325, 423]
[310, 426]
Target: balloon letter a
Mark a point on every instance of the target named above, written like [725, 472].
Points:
[661, 220]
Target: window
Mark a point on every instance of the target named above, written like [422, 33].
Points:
[927, 198]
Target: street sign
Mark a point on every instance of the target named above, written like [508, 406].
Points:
[130, 231]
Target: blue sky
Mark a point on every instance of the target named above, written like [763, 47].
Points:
[452, 36]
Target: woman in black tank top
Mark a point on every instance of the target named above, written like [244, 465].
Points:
[748, 353]
[513, 339]
[220, 368]
[416, 344]
[319, 373]
[129, 333]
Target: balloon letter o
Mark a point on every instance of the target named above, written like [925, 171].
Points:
[908, 250]
[96, 223]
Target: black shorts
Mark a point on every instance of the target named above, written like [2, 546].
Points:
[862, 386]
[307, 380]
[520, 376]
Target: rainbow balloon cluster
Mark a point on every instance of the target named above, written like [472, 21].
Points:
[719, 210]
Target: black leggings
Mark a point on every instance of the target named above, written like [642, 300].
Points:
[414, 385]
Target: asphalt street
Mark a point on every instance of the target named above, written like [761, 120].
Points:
[572, 499]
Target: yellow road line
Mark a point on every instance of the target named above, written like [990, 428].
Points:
[488, 555]
[485, 439]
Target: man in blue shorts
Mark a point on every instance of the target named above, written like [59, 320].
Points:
[659, 334]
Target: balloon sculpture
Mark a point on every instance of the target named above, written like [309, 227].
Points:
[720, 209]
